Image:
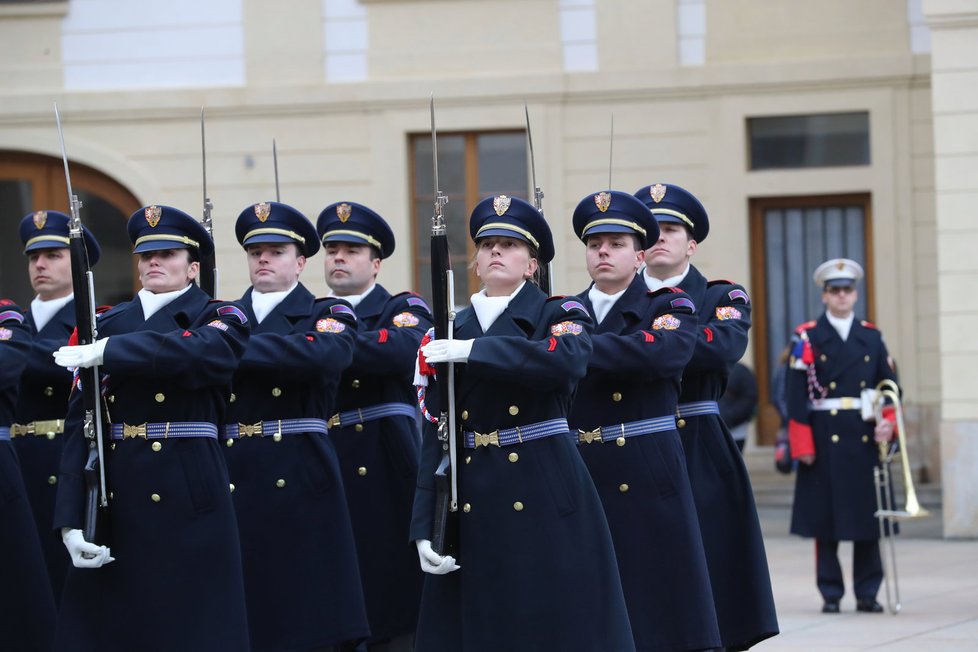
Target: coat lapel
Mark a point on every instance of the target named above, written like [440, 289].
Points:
[296, 305]
[373, 305]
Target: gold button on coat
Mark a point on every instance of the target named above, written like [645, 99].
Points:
[513, 457]
[157, 446]
[155, 498]
[518, 506]
[231, 487]
[233, 397]
[111, 398]
[50, 435]
[276, 392]
[514, 410]
[280, 483]
[862, 383]
[866, 358]
[835, 439]
[468, 458]
[362, 471]
[865, 438]
[49, 391]
[681, 423]
[616, 397]
[833, 412]
[623, 488]
[52, 479]
[160, 397]
[277, 436]
[822, 357]
[230, 443]
[358, 427]
[466, 508]
[832, 385]
[465, 415]
[355, 384]
[620, 441]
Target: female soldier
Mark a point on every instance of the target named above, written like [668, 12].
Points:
[536, 569]
[167, 359]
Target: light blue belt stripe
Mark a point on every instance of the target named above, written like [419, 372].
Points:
[171, 430]
[626, 430]
[519, 434]
[4, 433]
[698, 408]
[372, 413]
[277, 427]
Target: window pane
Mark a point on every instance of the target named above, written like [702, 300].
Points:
[15, 197]
[503, 164]
[114, 270]
[809, 141]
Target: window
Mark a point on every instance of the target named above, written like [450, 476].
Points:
[806, 141]
[471, 167]
[790, 237]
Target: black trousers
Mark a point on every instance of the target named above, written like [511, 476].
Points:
[867, 569]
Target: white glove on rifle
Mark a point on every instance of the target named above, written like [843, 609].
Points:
[84, 554]
[81, 355]
[447, 350]
[431, 561]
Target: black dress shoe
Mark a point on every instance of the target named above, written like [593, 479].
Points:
[869, 605]
[830, 607]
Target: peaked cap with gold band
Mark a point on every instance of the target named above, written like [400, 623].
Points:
[49, 230]
[613, 211]
[842, 272]
[674, 204]
[514, 218]
[154, 228]
[271, 221]
[348, 221]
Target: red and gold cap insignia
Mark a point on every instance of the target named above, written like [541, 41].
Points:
[840, 265]
[40, 219]
[603, 201]
[343, 211]
[658, 192]
[153, 215]
[262, 211]
[501, 204]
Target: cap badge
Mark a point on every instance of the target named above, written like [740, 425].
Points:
[343, 211]
[501, 204]
[153, 215]
[658, 192]
[40, 219]
[603, 201]
[262, 211]
[840, 265]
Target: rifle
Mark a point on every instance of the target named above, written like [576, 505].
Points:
[96, 496]
[444, 534]
[546, 271]
[208, 263]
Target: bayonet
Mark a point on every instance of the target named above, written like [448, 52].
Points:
[275, 164]
[611, 150]
[546, 271]
[208, 266]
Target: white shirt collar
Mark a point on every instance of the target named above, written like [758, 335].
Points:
[655, 284]
[355, 299]
[153, 302]
[262, 303]
[42, 311]
[842, 325]
[487, 309]
[602, 302]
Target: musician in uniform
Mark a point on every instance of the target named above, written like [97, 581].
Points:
[27, 612]
[833, 360]
[721, 487]
[535, 566]
[167, 358]
[302, 585]
[43, 402]
[375, 428]
[624, 415]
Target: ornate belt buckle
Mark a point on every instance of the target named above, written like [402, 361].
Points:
[589, 436]
[131, 432]
[486, 439]
[249, 429]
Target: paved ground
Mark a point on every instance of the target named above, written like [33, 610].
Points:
[938, 583]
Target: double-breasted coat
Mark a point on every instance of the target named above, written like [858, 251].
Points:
[44, 388]
[538, 569]
[379, 457]
[640, 349]
[835, 496]
[721, 487]
[300, 565]
[176, 581]
[27, 612]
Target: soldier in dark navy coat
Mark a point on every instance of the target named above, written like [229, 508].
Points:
[300, 564]
[39, 418]
[375, 428]
[172, 580]
[624, 414]
[535, 566]
[833, 360]
[27, 612]
[721, 487]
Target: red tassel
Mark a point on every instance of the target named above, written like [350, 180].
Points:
[73, 338]
[424, 368]
[807, 355]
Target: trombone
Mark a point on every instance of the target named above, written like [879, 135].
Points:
[888, 394]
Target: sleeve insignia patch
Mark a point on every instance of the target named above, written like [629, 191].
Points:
[572, 304]
[218, 324]
[330, 325]
[682, 302]
[727, 312]
[665, 323]
[234, 311]
[566, 328]
[340, 309]
[418, 302]
[738, 294]
[11, 315]
[5, 334]
[406, 319]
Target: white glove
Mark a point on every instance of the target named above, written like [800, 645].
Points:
[84, 554]
[81, 355]
[432, 562]
[447, 350]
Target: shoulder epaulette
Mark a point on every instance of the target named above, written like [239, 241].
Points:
[413, 299]
[805, 326]
[101, 309]
[869, 324]
[663, 290]
[568, 303]
[7, 302]
[719, 281]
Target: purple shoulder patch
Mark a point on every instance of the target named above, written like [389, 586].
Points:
[418, 302]
[682, 302]
[738, 294]
[11, 315]
[341, 309]
[572, 304]
[234, 311]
